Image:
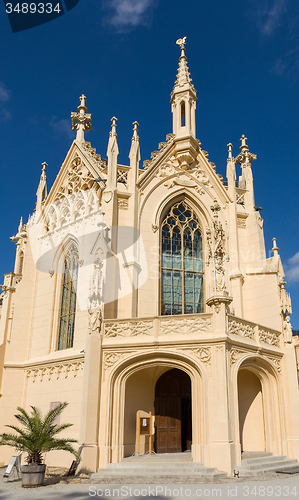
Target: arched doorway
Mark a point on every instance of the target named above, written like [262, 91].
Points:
[173, 418]
[251, 412]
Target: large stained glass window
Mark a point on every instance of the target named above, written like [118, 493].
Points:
[68, 299]
[182, 264]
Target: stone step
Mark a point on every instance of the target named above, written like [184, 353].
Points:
[273, 466]
[125, 469]
[125, 473]
[155, 464]
[261, 460]
[156, 459]
[259, 466]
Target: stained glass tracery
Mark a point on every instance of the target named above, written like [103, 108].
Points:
[68, 299]
[182, 264]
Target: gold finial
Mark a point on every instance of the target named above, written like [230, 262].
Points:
[181, 42]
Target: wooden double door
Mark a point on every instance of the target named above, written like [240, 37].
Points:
[173, 420]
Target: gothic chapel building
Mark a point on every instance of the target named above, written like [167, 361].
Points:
[143, 297]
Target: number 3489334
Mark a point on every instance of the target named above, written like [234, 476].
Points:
[33, 8]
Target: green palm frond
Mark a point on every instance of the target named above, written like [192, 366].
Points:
[38, 434]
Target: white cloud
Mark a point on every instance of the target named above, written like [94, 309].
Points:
[128, 14]
[5, 114]
[292, 268]
[4, 93]
[288, 61]
[270, 15]
[62, 127]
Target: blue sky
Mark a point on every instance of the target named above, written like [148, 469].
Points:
[244, 61]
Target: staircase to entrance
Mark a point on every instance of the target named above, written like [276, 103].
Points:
[160, 464]
[257, 463]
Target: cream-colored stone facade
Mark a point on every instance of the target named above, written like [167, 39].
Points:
[236, 347]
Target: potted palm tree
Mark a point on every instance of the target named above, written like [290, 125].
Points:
[37, 437]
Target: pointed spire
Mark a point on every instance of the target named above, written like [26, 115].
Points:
[183, 98]
[134, 154]
[243, 143]
[230, 151]
[81, 121]
[112, 154]
[135, 130]
[244, 159]
[113, 126]
[41, 192]
[231, 172]
[275, 248]
[183, 75]
[20, 225]
[244, 156]
[135, 148]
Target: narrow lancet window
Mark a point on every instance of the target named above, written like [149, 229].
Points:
[183, 114]
[181, 263]
[68, 299]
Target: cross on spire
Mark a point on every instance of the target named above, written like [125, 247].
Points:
[243, 142]
[81, 121]
[82, 100]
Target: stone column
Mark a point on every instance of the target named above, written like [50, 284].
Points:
[89, 429]
[291, 399]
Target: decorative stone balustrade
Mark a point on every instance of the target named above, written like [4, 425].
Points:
[237, 326]
[163, 325]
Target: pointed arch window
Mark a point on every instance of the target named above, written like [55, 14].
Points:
[181, 263]
[68, 299]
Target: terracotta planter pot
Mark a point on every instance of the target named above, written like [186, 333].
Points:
[33, 475]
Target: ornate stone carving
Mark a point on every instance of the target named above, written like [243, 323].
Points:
[97, 159]
[111, 358]
[123, 203]
[269, 337]
[79, 178]
[244, 157]
[156, 154]
[240, 198]
[285, 299]
[96, 284]
[287, 329]
[95, 319]
[155, 228]
[59, 370]
[6, 289]
[239, 328]
[241, 222]
[168, 169]
[81, 121]
[146, 164]
[128, 328]
[185, 326]
[202, 177]
[276, 362]
[216, 249]
[122, 176]
[203, 353]
[234, 354]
